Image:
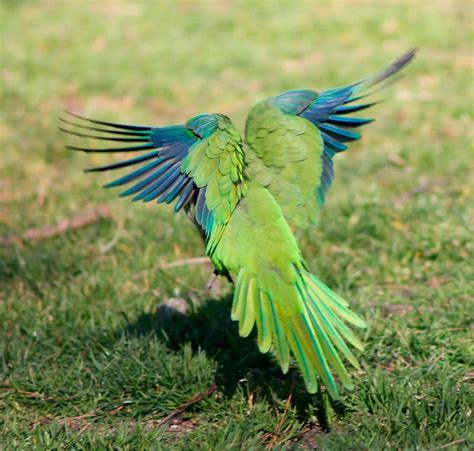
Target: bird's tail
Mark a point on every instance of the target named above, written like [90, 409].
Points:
[301, 315]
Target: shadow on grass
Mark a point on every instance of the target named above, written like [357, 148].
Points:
[239, 362]
[40, 266]
[50, 261]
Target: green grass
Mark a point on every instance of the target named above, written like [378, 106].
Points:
[78, 329]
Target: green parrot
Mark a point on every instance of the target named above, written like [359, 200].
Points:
[247, 197]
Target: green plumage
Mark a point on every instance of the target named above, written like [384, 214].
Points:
[285, 156]
[247, 199]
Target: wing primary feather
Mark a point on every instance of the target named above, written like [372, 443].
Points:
[351, 122]
[133, 175]
[200, 205]
[353, 108]
[161, 184]
[110, 124]
[205, 217]
[123, 164]
[338, 133]
[102, 130]
[333, 144]
[381, 87]
[147, 180]
[173, 190]
[185, 196]
[111, 150]
[105, 138]
[392, 69]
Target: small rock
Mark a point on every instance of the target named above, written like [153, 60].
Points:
[172, 307]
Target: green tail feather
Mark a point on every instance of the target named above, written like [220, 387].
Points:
[305, 317]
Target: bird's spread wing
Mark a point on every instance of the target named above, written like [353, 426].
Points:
[198, 165]
[294, 136]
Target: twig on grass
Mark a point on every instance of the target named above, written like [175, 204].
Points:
[76, 423]
[186, 262]
[70, 420]
[195, 399]
[453, 443]
[275, 435]
[28, 394]
[77, 221]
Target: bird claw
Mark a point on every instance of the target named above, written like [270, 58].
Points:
[211, 280]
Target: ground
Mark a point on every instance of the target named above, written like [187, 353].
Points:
[87, 361]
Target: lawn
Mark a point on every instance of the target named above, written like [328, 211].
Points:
[86, 359]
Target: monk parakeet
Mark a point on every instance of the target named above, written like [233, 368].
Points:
[247, 197]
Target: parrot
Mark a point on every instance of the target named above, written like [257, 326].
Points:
[248, 197]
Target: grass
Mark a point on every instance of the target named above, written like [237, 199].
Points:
[85, 361]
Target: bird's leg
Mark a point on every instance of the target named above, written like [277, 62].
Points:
[215, 273]
[212, 279]
[229, 278]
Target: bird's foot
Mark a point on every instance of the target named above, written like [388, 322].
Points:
[211, 280]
